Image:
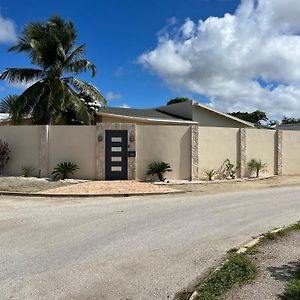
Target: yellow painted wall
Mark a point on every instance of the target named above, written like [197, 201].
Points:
[291, 152]
[76, 144]
[215, 146]
[24, 145]
[260, 144]
[170, 144]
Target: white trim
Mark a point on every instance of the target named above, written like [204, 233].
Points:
[147, 119]
[194, 103]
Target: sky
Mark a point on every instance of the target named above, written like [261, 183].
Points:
[229, 54]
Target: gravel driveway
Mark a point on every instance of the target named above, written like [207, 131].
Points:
[127, 248]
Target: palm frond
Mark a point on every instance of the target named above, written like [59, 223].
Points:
[22, 75]
[85, 88]
[77, 53]
[7, 103]
[80, 66]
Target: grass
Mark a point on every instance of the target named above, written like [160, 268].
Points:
[286, 230]
[237, 269]
[292, 289]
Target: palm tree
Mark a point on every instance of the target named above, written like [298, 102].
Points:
[7, 105]
[50, 46]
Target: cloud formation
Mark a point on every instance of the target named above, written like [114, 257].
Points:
[7, 30]
[246, 61]
[113, 96]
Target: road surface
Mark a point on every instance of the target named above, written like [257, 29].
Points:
[128, 248]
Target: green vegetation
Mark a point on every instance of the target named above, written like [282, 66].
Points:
[27, 171]
[63, 170]
[237, 269]
[159, 169]
[292, 289]
[286, 230]
[4, 155]
[54, 96]
[256, 166]
[177, 100]
[287, 120]
[210, 174]
[254, 117]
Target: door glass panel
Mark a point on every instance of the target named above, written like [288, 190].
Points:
[116, 169]
[116, 139]
[116, 149]
[116, 158]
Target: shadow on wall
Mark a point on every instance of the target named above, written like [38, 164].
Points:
[184, 159]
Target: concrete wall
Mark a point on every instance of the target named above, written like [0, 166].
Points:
[24, 143]
[291, 152]
[171, 144]
[215, 146]
[260, 144]
[76, 144]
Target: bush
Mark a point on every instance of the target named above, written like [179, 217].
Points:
[4, 155]
[27, 171]
[159, 169]
[256, 166]
[63, 170]
[228, 170]
[210, 174]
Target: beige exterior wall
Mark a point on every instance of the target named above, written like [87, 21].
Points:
[171, 144]
[24, 145]
[291, 152]
[76, 144]
[260, 144]
[215, 146]
[205, 117]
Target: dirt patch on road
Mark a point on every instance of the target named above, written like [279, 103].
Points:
[235, 186]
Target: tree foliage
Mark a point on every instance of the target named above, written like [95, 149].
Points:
[254, 117]
[177, 100]
[287, 120]
[52, 95]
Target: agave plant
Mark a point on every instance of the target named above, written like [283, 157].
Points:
[256, 166]
[64, 169]
[159, 169]
[210, 174]
[51, 47]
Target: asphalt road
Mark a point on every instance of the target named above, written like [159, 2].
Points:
[127, 248]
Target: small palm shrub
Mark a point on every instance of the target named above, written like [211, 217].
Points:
[256, 166]
[64, 169]
[210, 174]
[159, 169]
[27, 171]
[4, 155]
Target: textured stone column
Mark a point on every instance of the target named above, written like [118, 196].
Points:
[242, 152]
[278, 152]
[44, 151]
[194, 152]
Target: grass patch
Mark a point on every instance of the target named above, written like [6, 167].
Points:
[292, 289]
[286, 230]
[237, 269]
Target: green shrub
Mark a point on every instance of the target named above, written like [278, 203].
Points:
[292, 289]
[159, 169]
[63, 170]
[256, 166]
[4, 155]
[27, 171]
[210, 174]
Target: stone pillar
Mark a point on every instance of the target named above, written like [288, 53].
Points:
[44, 151]
[278, 152]
[194, 152]
[242, 152]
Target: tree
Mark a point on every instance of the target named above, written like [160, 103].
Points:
[287, 120]
[50, 46]
[177, 100]
[254, 117]
[7, 105]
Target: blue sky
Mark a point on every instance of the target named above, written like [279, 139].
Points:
[116, 33]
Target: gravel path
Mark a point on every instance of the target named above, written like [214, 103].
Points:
[276, 261]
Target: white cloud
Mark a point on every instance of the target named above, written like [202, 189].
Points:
[124, 106]
[245, 61]
[113, 96]
[7, 30]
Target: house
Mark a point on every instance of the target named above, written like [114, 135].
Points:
[184, 113]
[295, 126]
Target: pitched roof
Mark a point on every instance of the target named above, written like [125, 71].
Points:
[142, 114]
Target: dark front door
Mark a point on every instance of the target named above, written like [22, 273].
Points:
[116, 153]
